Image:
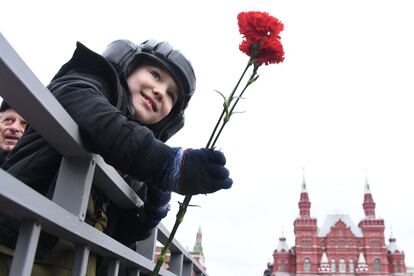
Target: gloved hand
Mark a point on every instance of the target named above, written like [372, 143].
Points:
[156, 197]
[156, 205]
[195, 171]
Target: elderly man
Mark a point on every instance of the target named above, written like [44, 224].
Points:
[12, 126]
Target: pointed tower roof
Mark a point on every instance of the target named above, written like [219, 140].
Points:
[367, 189]
[324, 259]
[362, 265]
[392, 246]
[324, 266]
[369, 204]
[198, 247]
[361, 258]
[304, 203]
[282, 246]
[303, 181]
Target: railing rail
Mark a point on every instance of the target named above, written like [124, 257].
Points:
[64, 215]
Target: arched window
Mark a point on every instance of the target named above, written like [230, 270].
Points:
[377, 265]
[282, 266]
[398, 267]
[342, 266]
[351, 266]
[306, 265]
[333, 266]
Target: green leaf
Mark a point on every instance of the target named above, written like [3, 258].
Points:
[221, 94]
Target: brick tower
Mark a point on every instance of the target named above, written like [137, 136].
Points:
[339, 247]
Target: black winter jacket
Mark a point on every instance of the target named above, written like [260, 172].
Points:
[3, 155]
[91, 91]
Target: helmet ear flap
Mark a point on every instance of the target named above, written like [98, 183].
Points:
[173, 128]
[164, 131]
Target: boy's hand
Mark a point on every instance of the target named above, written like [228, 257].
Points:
[156, 197]
[196, 171]
[156, 205]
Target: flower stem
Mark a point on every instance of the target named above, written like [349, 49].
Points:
[179, 218]
[250, 81]
[249, 63]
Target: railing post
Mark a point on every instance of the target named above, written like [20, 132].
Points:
[80, 262]
[147, 247]
[113, 268]
[187, 268]
[73, 187]
[134, 272]
[176, 262]
[25, 251]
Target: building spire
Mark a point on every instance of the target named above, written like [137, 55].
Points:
[362, 266]
[367, 189]
[324, 266]
[282, 246]
[198, 247]
[392, 246]
[303, 180]
[304, 203]
[369, 204]
[197, 252]
[361, 259]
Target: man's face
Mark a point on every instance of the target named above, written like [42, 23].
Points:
[154, 93]
[12, 126]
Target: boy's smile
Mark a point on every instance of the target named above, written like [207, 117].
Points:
[150, 102]
[154, 93]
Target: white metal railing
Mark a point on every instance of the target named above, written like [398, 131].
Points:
[64, 215]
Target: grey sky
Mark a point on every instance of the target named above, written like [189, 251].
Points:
[340, 104]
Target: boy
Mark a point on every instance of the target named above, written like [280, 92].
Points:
[127, 103]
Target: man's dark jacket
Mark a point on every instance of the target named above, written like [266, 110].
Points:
[97, 98]
[3, 155]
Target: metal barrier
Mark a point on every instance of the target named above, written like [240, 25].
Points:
[64, 215]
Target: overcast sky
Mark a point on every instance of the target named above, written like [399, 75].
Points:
[341, 104]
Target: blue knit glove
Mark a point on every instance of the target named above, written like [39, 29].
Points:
[195, 171]
[156, 205]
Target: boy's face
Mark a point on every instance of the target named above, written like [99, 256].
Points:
[12, 126]
[154, 93]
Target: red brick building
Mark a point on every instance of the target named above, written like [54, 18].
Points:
[339, 247]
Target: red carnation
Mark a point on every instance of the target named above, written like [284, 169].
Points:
[261, 37]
